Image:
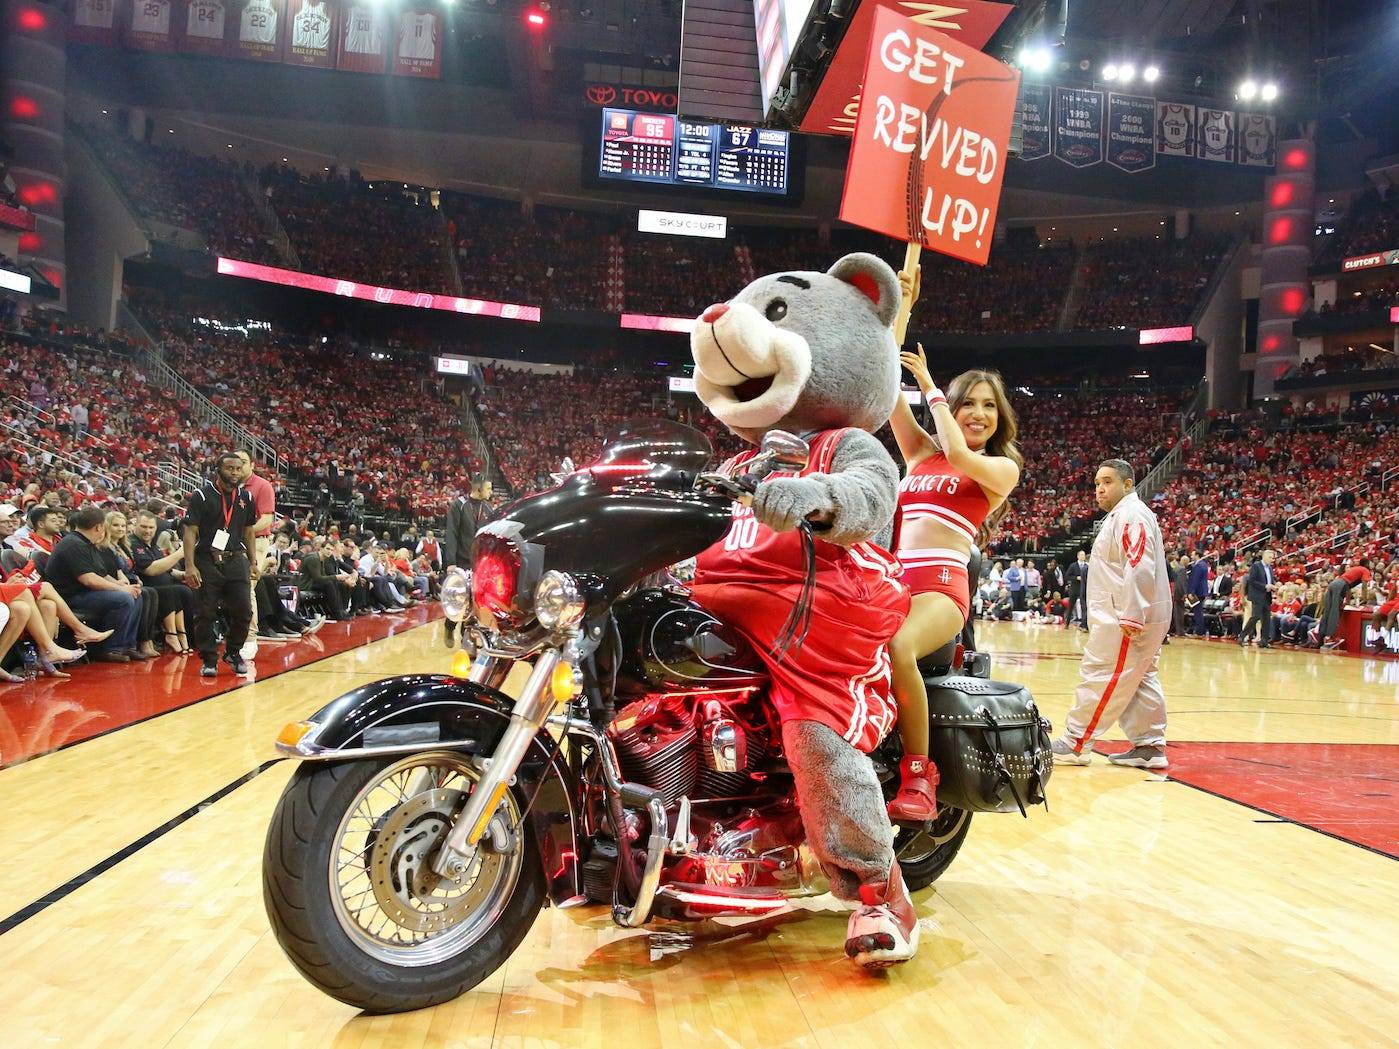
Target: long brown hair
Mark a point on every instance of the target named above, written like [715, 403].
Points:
[1002, 442]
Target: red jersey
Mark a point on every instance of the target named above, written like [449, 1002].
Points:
[1356, 574]
[935, 490]
[840, 675]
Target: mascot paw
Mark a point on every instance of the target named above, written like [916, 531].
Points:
[784, 502]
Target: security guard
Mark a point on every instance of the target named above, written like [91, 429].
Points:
[219, 524]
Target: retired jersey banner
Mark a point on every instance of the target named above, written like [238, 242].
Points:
[1258, 140]
[1131, 132]
[419, 44]
[834, 107]
[1175, 129]
[363, 33]
[148, 27]
[1215, 137]
[257, 29]
[312, 33]
[1036, 101]
[205, 24]
[94, 22]
[929, 148]
[1078, 126]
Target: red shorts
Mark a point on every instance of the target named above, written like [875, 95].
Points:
[938, 570]
[840, 676]
[1388, 608]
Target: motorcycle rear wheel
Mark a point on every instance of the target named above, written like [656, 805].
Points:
[924, 855]
[364, 968]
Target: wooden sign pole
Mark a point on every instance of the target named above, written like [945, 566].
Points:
[912, 252]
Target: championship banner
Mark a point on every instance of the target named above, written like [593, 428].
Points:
[363, 31]
[257, 29]
[1258, 140]
[313, 34]
[419, 46]
[148, 27]
[1035, 103]
[205, 26]
[1215, 140]
[1175, 130]
[928, 155]
[1131, 134]
[94, 22]
[1078, 126]
[837, 101]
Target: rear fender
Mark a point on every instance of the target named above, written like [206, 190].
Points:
[420, 712]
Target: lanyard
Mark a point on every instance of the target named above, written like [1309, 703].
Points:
[229, 505]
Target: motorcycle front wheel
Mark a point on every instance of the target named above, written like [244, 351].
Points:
[351, 895]
[924, 854]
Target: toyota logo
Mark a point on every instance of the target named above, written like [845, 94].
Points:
[601, 94]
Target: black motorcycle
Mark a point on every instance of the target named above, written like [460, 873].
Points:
[640, 765]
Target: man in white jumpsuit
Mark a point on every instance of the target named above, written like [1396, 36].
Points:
[1129, 614]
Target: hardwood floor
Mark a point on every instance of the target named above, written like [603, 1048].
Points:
[1138, 910]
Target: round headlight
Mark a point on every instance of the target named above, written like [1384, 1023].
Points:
[456, 594]
[558, 603]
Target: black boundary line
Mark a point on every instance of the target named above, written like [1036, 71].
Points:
[242, 683]
[101, 867]
[1277, 815]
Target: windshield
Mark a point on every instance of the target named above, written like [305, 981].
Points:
[657, 441]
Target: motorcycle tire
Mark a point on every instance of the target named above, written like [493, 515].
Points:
[922, 866]
[297, 895]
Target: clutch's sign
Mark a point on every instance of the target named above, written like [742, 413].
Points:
[929, 148]
[1365, 262]
[657, 99]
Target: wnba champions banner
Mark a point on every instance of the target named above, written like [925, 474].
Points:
[1034, 104]
[1215, 138]
[258, 26]
[1078, 126]
[1131, 136]
[312, 38]
[1258, 140]
[419, 47]
[362, 35]
[148, 28]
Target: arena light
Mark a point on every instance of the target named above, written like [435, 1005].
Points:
[534, 17]
[11, 281]
[1110, 71]
[1151, 74]
[1036, 58]
[1248, 90]
[1126, 72]
[1269, 92]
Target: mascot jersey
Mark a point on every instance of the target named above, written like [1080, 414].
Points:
[840, 675]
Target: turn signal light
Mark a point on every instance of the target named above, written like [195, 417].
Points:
[565, 683]
[294, 733]
[461, 663]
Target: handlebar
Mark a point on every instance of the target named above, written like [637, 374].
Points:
[740, 489]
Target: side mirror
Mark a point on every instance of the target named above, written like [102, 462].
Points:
[786, 451]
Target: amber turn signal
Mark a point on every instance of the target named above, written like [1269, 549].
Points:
[294, 733]
[564, 684]
[461, 663]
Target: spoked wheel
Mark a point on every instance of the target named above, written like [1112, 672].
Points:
[353, 899]
[924, 853]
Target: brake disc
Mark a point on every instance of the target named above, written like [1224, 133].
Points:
[405, 886]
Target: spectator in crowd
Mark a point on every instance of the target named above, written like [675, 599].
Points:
[78, 572]
[1258, 591]
[161, 574]
[116, 556]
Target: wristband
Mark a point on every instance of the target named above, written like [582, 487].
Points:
[934, 397]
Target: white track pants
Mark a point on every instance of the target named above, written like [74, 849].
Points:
[1118, 683]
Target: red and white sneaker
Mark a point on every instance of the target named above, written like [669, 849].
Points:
[916, 801]
[884, 931]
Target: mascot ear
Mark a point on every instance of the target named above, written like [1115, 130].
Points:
[872, 276]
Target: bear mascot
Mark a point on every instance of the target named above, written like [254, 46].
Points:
[814, 354]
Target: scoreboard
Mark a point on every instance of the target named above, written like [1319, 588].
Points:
[664, 149]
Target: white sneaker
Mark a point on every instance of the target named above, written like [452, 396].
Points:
[1141, 758]
[1064, 753]
[249, 650]
[316, 624]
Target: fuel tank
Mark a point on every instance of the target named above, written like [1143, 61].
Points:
[669, 642]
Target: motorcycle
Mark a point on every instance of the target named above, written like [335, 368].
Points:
[433, 817]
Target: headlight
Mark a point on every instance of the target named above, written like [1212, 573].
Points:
[558, 603]
[456, 594]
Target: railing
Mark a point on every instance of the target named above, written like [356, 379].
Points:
[449, 251]
[32, 410]
[25, 440]
[177, 476]
[1216, 278]
[279, 237]
[1157, 477]
[476, 439]
[1068, 311]
[201, 408]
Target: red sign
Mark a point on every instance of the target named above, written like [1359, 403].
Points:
[1394, 315]
[15, 218]
[1154, 336]
[837, 100]
[928, 157]
[373, 293]
[418, 51]
[648, 322]
[1365, 262]
[657, 99]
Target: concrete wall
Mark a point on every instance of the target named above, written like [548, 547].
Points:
[101, 233]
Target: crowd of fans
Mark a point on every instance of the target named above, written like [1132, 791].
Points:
[1146, 282]
[1371, 224]
[1352, 360]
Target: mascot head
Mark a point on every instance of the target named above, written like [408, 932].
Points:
[802, 351]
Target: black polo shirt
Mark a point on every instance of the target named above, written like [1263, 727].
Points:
[73, 556]
[209, 508]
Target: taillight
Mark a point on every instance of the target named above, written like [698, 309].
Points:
[495, 575]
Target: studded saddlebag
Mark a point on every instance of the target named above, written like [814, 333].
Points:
[990, 744]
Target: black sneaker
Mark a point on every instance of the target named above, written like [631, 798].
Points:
[209, 670]
[236, 662]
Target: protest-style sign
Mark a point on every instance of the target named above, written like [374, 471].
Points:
[929, 150]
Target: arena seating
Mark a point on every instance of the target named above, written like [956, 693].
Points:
[1371, 223]
[1145, 282]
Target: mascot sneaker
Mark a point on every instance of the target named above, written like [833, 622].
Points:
[916, 801]
[884, 931]
[1064, 753]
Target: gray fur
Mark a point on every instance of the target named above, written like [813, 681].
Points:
[842, 807]
[858, 495]
[854, 361]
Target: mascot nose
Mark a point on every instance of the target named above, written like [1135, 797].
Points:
[714, 312]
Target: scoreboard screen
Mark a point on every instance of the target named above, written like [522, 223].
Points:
[664, 149]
